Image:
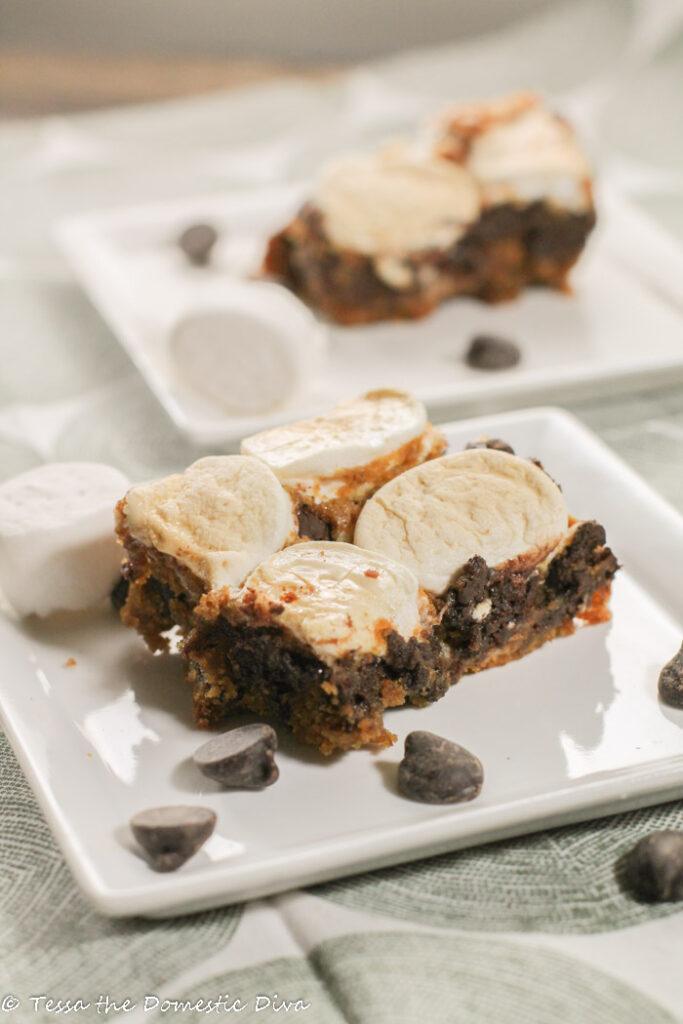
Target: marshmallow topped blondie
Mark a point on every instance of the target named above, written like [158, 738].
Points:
[489, 198]
[331, 465]
[322, 636]
[488, 535]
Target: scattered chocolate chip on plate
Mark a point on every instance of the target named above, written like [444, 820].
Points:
[435, 770]
[171, 835]
[197, 241]
[243, 758]
[489, 352]
[671, 681]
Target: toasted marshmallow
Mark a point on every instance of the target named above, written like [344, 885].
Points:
[336, 598]
[435, 517]
[219, 518]
[57, 544]
[353, 434]
[395, 202]
[518, 151]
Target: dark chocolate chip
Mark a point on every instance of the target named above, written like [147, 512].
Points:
[494, 443]
[487, 352]
[242, 758]
[197, 241]
[171, 835]
[653, 869]
[671, 681]
[437, 771]
[119, 593]
[312, 525]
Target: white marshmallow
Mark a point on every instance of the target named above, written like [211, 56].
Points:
[396, 202]
[57, 544]
[352, 434]
[219, 518]
[337, 598]
[251, 351]
[437, 516]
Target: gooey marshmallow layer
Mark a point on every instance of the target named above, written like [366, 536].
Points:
[336, 597]
[437, 516]
[219, 518]
[353, 434]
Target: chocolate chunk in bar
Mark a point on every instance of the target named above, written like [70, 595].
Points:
[242, 758]
[197, 242]
[435, 770]
[671, 681]
[488, 352]
[653, 869]
[119, 593]
[171, 835]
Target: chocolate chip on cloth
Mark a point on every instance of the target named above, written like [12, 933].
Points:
[171, 835]
[242, 758]
[488, 352]
[671, 681]
[437, 771]
[653, 870]
[197, 241]
[494, 443]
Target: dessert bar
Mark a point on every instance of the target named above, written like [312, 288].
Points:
[490, 198]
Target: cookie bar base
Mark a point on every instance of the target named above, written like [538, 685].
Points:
[491, 616]
[161, 592]
[238, 660]
[508, 248]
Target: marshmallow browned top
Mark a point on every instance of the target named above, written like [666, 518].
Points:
[517, 150]
[335, 597]
[395, 202]
[437, 516]
[219, 518]
[351, 435]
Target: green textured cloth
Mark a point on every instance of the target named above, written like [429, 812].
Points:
[409, 944]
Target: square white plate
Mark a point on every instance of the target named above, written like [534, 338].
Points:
[570, 732]
[622, 323]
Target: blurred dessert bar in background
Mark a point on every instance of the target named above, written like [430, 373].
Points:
[487, 199]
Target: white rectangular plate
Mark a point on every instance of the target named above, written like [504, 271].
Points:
[572, 731]
[622, 323]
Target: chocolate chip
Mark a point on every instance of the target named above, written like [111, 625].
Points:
[119, 593]
[653, 869]
[436, 771]
[487, 352]
[671, 681]
[494, 443]
[242, 758]
[197, 241]
[171, 835]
